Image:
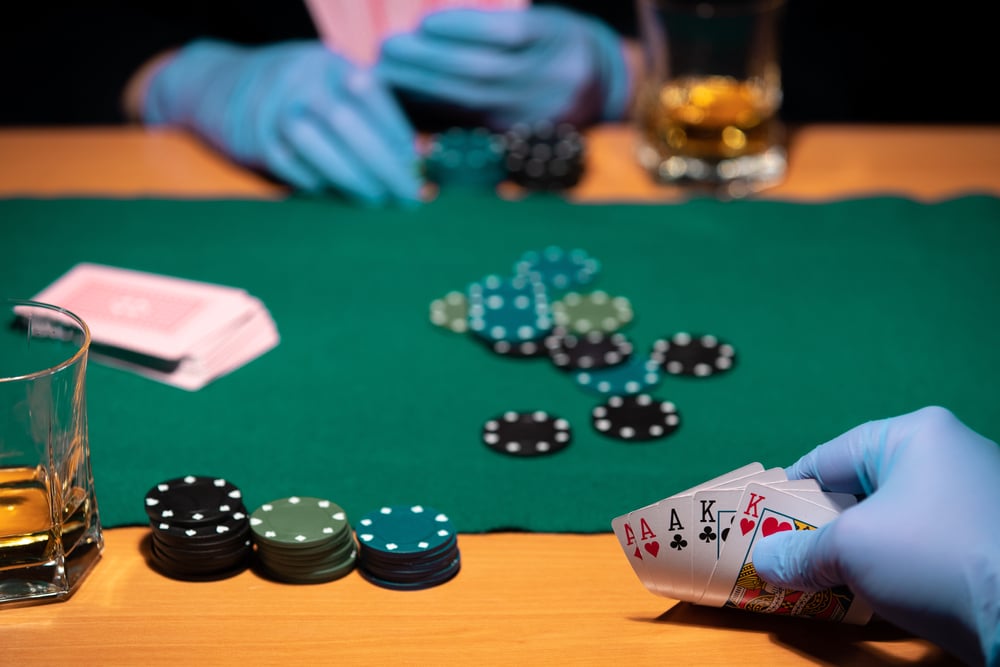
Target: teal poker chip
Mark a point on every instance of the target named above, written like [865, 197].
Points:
[512, 309]
[405, 529]
[557, 268]
[465, 156]
[634, 376]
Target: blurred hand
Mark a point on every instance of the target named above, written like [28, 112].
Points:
[305, 114]
[923, 549]
[519, 66]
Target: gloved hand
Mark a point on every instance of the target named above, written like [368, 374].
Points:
[296, 109]
[923, 549]
[541, 63]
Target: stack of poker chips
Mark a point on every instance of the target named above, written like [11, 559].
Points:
[542, 156]
[200, 528]
[303, 540]
[407, 547]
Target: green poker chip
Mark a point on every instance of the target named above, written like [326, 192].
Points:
[451, 312]
[298, 522]
[405, 529]
[594, 311]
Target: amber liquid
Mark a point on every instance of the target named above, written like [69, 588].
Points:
[711, 118]
[41, 549]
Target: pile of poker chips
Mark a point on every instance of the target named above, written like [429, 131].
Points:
[542, 309]
[303, 540]
[536, 156]
[200, 528]
[407, 547]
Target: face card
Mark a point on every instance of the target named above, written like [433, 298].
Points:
[763, 511]
[713, 510]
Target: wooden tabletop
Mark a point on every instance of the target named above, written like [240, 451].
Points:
[520, 599]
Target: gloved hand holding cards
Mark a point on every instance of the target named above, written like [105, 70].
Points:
[179, 332]
[697, 545]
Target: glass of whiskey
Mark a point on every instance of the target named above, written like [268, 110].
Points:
[709, 97]
[50, 533]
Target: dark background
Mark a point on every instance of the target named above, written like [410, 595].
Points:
[843, 61]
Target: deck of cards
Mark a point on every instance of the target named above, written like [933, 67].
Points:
[697, 545]
[180, 332]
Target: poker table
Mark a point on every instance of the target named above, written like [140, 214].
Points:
[863, 286]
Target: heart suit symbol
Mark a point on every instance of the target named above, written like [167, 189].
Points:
[746, 525]
[652, 547]
[772, 525]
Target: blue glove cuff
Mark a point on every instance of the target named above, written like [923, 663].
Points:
[175, 87]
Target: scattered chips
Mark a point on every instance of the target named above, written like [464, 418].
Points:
[594, 311]
[635, 418]
[407, 547]
[699, 356]
[527, 433]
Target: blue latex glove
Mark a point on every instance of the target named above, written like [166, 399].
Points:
[295, 109]
[519, 66]
[923, 548]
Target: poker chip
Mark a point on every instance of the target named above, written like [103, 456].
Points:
[527, 433]
[526, 349]
[451, 312]
[407, 547]
[545, 156]
[511, 309]
[557, 268]
[631, 377]
[199, 528]
[192, 499]
[698, 356]
[592, 350]
[303, 540]
[593, 311]
[635, 418]
[465, 156]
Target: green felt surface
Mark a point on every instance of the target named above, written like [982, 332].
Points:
[839, 312]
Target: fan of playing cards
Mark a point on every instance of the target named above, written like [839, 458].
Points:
[179, 332]
[697, 545]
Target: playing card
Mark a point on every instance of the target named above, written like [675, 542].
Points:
[713, 509]
[357, 29]
[663, 565]
[762, 511]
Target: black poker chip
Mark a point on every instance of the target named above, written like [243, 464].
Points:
[697, 356]
[199, 528]
[193, 499]
[527, 433]
[635, 418]
[525, 349]
[545, 156]
[595, 349]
